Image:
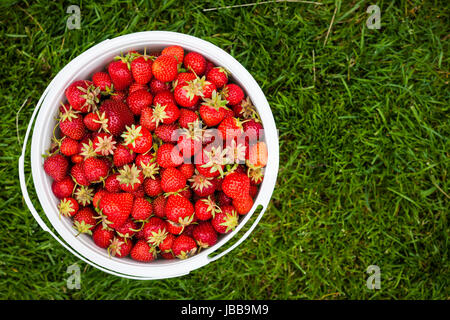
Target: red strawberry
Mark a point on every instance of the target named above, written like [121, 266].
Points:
[102, 80]
[123, 156]
[120, 247]
[72, 125]
[166, 131]
[253, 130]
[63, 188]
[231, 128]
[116, 208]
[201, 185]
[204, 234]
[165, 68]
[167, 114]
[195, 62]
[187, 169]
[68, 207]
[166, 245]
[233, 93]
[163, 98]
[184, 77]
[137, 138]
[146, 119]
[56, 166]
[206, 209]
[139, 192]
[175, 51]
[102, 236]
[172, 180]
[179, 210]
[159, 205]
[157, 86]
[212, 110]
[211, 161]
[118, 116]
[77, 173]
[218, 76]
[139, 100]
[256, 175]
[120, 74]
[84, 221]
[82, 95]
[209, 66]
[223, 199]
[92, 121]
[69, 146]
[141, 251]
[136, 86]
[187, 94]
[243, 205]
[225, 221]
[141, 69]
[236, 185]
[130, 178]
[206, 87]
[127, 229]
[95, 169]
[119, 96]
[155, 231]
[77, 158]
[104, 144]
[152, 187]
[147, 162]
[142, 209]
[184, 247]
[168, 156]
[186, 117]
[98, 196]
[174, 228]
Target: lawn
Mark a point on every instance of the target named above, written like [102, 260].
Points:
[363, 120]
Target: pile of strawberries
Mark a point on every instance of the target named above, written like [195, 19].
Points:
[156, 156]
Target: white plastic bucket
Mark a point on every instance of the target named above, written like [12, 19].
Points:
[82, 67]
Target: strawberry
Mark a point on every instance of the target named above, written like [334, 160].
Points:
[141, 251]
[159, 205]
[63, 188]
[212, 110]
[201, 185]
[245, 109]
[68, 207]
[165, 68]
[236, 185]
[85, 220]
[195, 62]
[123, 156]
[206, 88]
[230, 128]
[253, 130]
[98, 196]
[256, 175]
[138, 100]
[155, 231]
[56, 166]
[142, 209]
[184, 77]
[168, 156]
[209, 66]
[84, 195]
[120, 74]
[176, 51]
[120, 247]
[166, 245]
[72, 125]
[77, 173]
[232, 93]
[204, 234]
[152, 187]
[206, 208]
[146, 119]
[257, 157]
[186, 117]
[92, 121]
[95, 169]
[138, 192]
[102, 236]
[157, 86]
[223, 199]
[187, 94]
[69, 146]
[187, 169]
[82, 95]
[117, 115]
[225, 221]
[130, 178]
[243, 205]
[104, 144]
[172, 180]
[184, 247]
[77, 158]
[102, 80]
[166, 131]
[174, 228]
[147, 162]
[218, 76]
[116, 208]
[137, 138]
[179, 210]
[211, 161]
[163, 98]
[141, 69]
[127, 229]
[167, 114]
[137, 86]
[119, 96]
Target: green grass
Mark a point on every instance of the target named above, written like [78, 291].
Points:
[363, 124]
